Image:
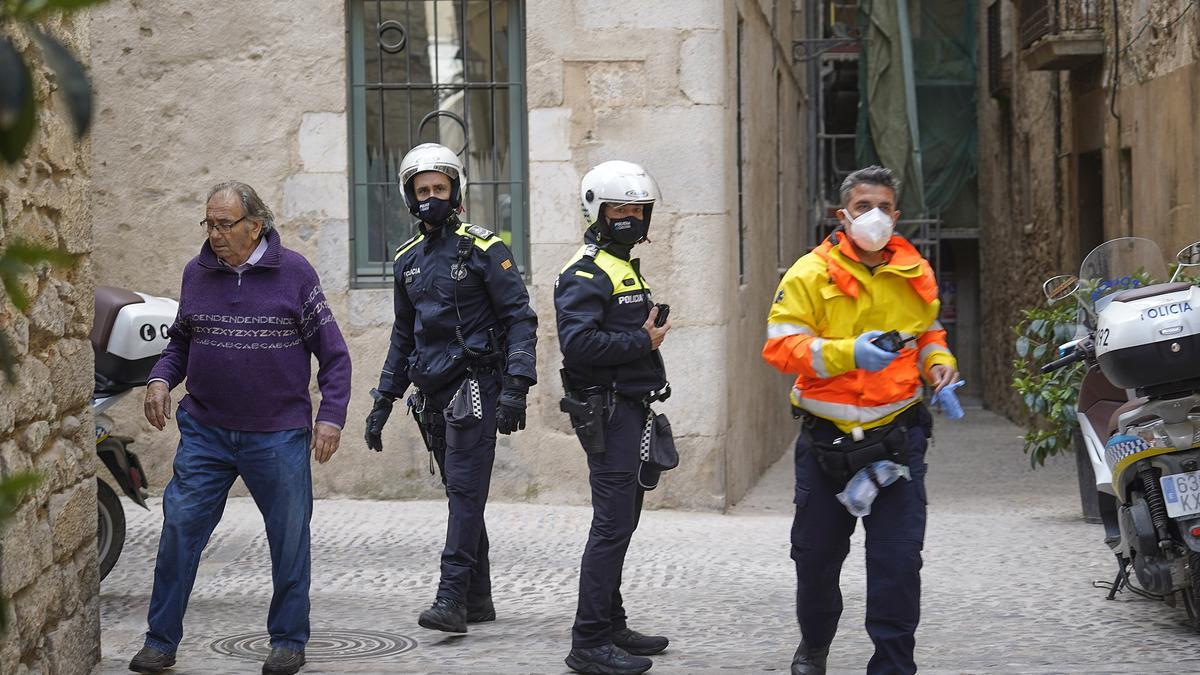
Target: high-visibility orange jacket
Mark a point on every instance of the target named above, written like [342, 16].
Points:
[829, 298]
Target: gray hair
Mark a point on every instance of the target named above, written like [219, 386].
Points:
[871, 175]
[252, 204]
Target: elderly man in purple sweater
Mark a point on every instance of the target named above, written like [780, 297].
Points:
[251, 317]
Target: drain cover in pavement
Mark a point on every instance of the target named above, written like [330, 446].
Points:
[341, 645]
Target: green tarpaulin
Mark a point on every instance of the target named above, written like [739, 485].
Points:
[943, 48]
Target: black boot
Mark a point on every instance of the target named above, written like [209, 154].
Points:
[151, 660]
[283, 661]
[809, 660]
[480, 609]
[445, 615]
[638, 644]
[606, 660]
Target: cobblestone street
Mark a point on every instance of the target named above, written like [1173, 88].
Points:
[1009, 567]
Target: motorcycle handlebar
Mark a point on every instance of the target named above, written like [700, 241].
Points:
[1073, 357]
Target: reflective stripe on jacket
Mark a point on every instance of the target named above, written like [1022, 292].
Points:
[601, 302]
[825, 301]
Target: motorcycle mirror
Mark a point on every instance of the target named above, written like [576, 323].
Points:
[1060, 287]
[1189, 255]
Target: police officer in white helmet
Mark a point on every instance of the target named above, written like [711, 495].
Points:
[472, 363]
[609, 332]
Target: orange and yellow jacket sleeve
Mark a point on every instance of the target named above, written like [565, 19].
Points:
[933, 348]
[794, 341]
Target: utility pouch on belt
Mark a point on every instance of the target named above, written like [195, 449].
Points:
[841, 458]
[466, 407]
[587, 410]
[658, 453]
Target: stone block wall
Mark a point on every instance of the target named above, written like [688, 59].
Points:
[48, 570]
[1031, 141]
[606, 79]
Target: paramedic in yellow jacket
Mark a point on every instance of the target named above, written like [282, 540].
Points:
[860, 402]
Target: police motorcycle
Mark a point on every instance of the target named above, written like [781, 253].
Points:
[129, 332]
[1139, 411]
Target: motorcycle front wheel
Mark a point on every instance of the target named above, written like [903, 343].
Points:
[110, 531]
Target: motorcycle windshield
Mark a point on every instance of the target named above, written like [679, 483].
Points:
[1115, 266]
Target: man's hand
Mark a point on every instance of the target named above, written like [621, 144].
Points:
[510, 408]
[325, 440]
[158, 404]
[942, 376]
[378, 417]
[869, 356]
[656, 333]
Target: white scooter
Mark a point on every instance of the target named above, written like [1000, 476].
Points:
[129, 332]
[1139, 411]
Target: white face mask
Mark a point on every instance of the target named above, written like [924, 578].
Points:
[872, 230]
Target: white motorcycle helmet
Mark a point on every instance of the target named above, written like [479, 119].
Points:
[432, 157]
[617, 183]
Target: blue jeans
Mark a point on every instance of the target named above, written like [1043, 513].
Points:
[275, 468]
[895, 536]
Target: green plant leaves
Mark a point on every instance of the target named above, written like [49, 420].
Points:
[17, 259]
[72, 78]
[1049, 397]
[17, 114]
[12, 491]
[29, 8]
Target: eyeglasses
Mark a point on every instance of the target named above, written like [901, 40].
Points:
[224, 228]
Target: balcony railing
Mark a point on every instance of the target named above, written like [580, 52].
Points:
[1040, 18]
[1060, 34]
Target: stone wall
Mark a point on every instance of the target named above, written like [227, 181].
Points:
[48, 570]
[1035, 144]
[606, 79]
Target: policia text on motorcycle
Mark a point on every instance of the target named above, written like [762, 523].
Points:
[610, 331]
[465, 336]
[860, 403]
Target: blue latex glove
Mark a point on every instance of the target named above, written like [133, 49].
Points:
[948, 401]
[868, 356]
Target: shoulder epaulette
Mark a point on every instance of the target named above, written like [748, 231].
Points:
[590, 251]
[480, 232]
[408, 244]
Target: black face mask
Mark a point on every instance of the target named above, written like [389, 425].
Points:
[434, 211]
[627, 230]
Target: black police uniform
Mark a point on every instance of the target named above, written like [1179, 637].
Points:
[602, 302]
[453, 288]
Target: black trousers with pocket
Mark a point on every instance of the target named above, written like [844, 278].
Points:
[895, 536]
[616, 509]
[466, 468]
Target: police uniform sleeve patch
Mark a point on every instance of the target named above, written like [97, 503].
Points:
[505, 264]
[480, 232]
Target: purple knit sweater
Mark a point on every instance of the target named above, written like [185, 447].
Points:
[245, 344]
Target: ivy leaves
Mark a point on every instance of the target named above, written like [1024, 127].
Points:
[1049, 397]
[18, 109]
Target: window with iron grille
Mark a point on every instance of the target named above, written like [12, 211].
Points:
[444, 71]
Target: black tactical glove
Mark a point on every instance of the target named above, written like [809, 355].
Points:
[510, 409]
[377, 418]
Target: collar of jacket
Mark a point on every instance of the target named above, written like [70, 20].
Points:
[902, 259]
[622, 251]
[436, 233]
[208, 258]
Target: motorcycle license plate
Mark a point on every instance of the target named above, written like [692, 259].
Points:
[1181, 492]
